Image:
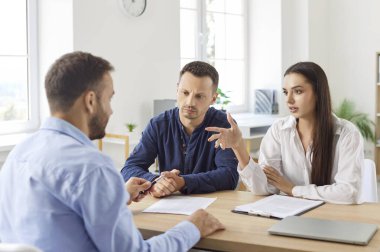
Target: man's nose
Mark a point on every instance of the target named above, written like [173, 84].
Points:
[190, 100]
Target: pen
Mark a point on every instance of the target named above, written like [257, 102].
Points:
[152, 184]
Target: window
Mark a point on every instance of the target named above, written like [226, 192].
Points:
[18, 84]
[215, 31]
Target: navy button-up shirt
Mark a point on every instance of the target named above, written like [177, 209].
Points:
[204, 168]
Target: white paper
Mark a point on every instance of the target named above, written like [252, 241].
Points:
[279, 206]
[179, 205]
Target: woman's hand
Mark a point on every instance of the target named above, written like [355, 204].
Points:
[230, 138]
[226, 138]
[274, 178]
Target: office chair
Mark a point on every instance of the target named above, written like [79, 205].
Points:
[16, 247]
[368, 190]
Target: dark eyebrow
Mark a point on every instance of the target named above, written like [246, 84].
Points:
[297, 87]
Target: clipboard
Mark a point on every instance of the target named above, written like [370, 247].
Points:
[278, 206]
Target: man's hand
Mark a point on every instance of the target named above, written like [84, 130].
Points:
[205, 222]
[274, 178]
[167, 183]
[134, 186]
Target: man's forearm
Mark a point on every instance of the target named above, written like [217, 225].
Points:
[135, 171]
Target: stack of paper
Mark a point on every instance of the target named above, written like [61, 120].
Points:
[179, 205]
[278, 206]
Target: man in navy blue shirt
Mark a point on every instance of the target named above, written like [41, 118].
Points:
[188, 162]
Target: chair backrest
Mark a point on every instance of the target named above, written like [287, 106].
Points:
[15, 247]
[368, 190]
[124, 138]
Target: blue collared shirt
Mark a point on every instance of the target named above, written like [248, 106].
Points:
[204, 168]
[59, 193]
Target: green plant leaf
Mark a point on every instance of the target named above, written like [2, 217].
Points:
[346, 110]
[222, 99]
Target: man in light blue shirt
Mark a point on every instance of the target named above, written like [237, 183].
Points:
[59, 193]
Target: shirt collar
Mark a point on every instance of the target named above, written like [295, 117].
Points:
[64, 127]
[291, 123]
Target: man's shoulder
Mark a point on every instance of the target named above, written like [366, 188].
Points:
[165, 117]
[217, 118]
[58, 161]
[61, 153]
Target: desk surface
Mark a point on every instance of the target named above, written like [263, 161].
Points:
[249, 233]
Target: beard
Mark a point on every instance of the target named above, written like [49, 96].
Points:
[97, 124]
[187, 114]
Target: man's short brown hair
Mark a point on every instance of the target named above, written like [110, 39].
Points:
[202, 69]
[71, 75]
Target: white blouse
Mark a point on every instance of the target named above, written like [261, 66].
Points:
[282, 149]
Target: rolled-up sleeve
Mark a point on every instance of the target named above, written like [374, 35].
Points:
[253, 175]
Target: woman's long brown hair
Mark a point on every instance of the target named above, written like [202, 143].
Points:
[323, 134]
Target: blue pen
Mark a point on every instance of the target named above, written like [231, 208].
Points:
[152, 184]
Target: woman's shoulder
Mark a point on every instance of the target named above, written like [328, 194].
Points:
[344, 127]
[283, 123]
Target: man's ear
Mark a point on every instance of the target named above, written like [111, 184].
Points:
[214, 96]
[90, 101]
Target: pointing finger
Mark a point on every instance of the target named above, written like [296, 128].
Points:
[213, 137]
[231, 120]
[215, 129]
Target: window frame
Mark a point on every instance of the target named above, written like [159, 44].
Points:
[19, 126]
[201, 49]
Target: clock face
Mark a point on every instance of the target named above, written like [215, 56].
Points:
[133, 7]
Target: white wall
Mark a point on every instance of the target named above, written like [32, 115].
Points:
[264, 39]
[145, 52]
[352, 37]
[55, 38]
[318, 33]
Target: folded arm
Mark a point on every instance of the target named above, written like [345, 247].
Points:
[142, 157]
[224, 177]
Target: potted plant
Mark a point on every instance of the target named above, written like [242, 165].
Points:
[222, 100]
[130, 126]
[346, 110]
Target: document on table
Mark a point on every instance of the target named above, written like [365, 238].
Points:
[278, 206]
[179, 205]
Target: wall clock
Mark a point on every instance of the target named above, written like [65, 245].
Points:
[133, 8]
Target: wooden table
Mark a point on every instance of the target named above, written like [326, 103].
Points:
[249, 233]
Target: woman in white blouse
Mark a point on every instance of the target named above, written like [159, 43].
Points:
[311, 153]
